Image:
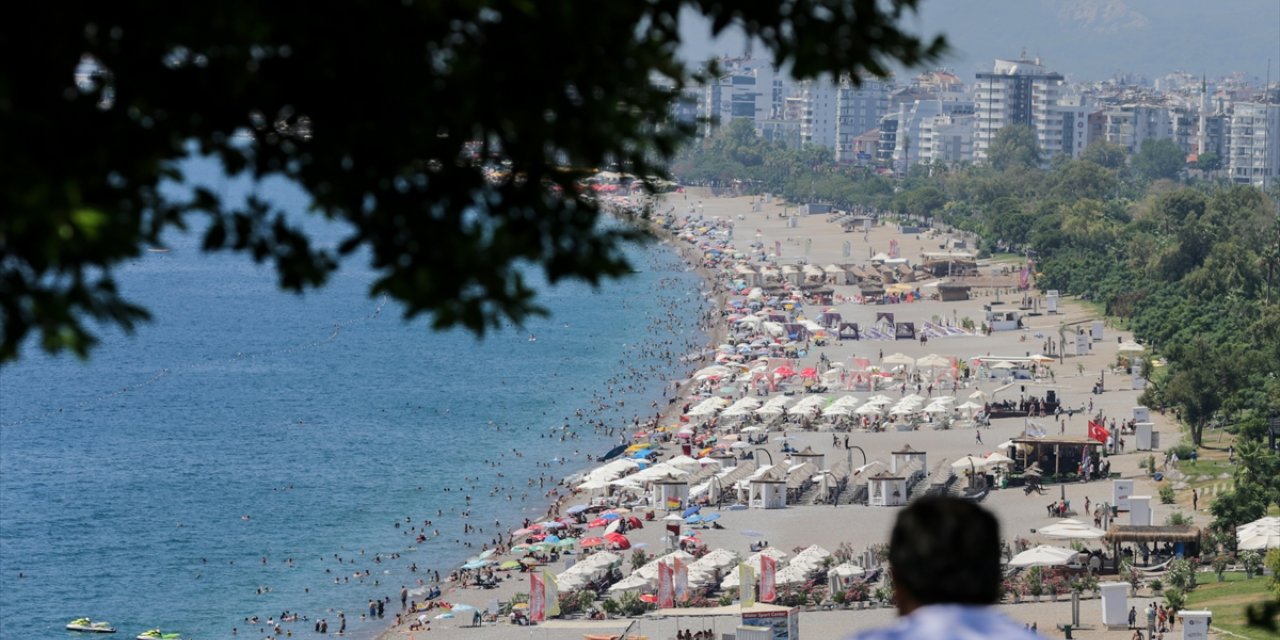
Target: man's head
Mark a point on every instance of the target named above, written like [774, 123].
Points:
[945, 551]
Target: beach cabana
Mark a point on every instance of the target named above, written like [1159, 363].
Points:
[767, 491]
[1184, 536]
[907, 458]
[886, 489]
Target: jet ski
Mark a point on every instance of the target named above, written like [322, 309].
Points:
[89, 626]
[155, 634]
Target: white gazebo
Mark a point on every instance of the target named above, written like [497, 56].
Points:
[767, 492]
[811, 456]
[670, 490]
[886, 490]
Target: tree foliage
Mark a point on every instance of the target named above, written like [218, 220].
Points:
[449, 138]
[1159, 160]
[1014, 146]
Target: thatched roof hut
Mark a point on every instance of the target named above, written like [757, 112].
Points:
[1153, 533]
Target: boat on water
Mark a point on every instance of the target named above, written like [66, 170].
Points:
[89, 626]
[156, 634]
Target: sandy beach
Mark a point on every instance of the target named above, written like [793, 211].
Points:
[820, 241]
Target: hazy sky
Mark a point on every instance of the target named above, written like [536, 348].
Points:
[1085, 39]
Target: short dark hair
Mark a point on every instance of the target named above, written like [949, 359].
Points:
[946, 550]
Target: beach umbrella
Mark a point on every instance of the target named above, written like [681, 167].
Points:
[711, 518]
[969, 406]
[978, 395]
[879, 399]
[591, 542]
[610, 515]
[488, 552]
[1070, 529]
[634, 523]
[613, 527]
[933, 360]
[1043, 556]
[509, 565]
[649, 598]
[444, 616]
[898, 358]
[868, 409]
[476, 564]
[690, 511]
[1003, 364]
[693, 519]
[996, 459]
[598, 522]
[969, 463]
[567, 543]
[809, 372]
[462, 607]
[523, 532]
[1041, 358]
[740, 445]
[673, 518]
[1263, 533]
[520, 548]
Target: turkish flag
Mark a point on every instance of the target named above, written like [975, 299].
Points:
[1098, 432]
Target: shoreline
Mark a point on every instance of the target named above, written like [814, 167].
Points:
[855, 526]
[712, 332]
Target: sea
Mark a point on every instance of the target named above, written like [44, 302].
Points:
[252, 452]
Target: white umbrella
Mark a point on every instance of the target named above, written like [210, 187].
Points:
[879, 399]
[969, 406]
[1259, 534]
[933, 360]
[868, 409]
[898, 358]
[1003, 364]
[978, 395]
[1071, 530]
[996, 459]
[970, 463]
[1043, 556]
[1041, 358]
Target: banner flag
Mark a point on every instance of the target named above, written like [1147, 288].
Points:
[768, 579]
[666, 597]
[537, 598]
[681, 581]
[747, 585]
[552, 589]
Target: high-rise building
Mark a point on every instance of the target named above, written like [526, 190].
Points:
[858, 110]
[817, 112]
[1017, 92]
[749, 89]
[1253, 154]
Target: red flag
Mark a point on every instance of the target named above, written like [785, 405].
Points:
[1098, 432]
[768, 578]
[537, 598]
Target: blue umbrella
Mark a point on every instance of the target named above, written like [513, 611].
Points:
[551, 538]
[475, 564]
[611, 516]
[691, 510]
[711, 518]
[577, 508]
[693, 519]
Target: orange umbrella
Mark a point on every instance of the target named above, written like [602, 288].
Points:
[591, 542]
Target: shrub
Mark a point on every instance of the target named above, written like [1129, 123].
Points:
[1166, 494]
[1181, 575]
[1183, 450]
[1177, 517]
[1035, 581]
[1273, 563]
[1175, 599]
[1252, 562]
[1156, 584]
[1220, 563]
[639, 558]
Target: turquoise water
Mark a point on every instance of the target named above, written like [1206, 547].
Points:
[247, 448]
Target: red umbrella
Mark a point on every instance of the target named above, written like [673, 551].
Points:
[598, 522]
[809, 373]
[649, 597]
[618, 541]
[591, 542]
[524, 532]
[785, 371]
[635, 523]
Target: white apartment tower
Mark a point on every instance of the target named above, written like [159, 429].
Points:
[748, 89]
[1253, 153]
[818, 100]
[1017, 92]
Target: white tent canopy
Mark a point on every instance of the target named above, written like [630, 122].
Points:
[1070, 529]
[1043, 556]
[1260, 534]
